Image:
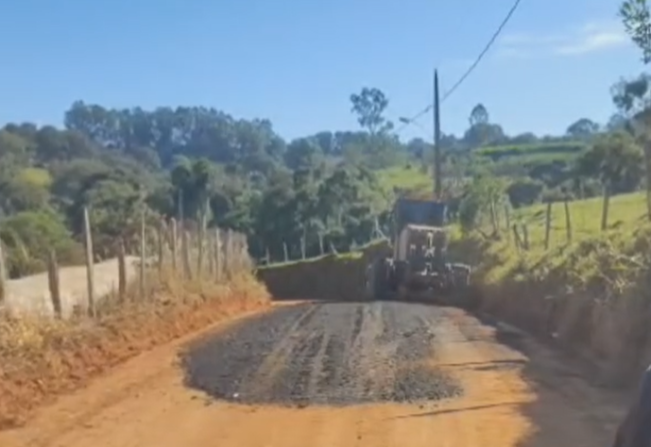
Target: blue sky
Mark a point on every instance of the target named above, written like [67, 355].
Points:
[297, 61]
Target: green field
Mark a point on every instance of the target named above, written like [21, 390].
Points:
[406, 178]
[626, 213]
[589, 245]
[565, 147]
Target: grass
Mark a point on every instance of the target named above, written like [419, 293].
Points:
[627, 215]
[42, 358]
[591, 293]
[410, 178]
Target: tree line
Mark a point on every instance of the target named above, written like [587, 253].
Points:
[241, 174]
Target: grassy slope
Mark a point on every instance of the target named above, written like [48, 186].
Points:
[590, 294]
[627, 214]
[401, 177]
[412, 178]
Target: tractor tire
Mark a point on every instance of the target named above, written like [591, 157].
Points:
[380, 279]
[463, 296]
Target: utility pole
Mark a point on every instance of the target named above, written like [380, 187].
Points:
[437, 140]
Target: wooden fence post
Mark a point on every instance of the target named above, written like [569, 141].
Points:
[548, 223]
[303, 248]
[90, 263]
[507, 218]
[568, 221]
[516, 238]
[219, 264]
[53, 282]
[174, 246]
[143, 251]
[185, 251]
[160, 241]
[605, 209]
[525, 233]
[122, 271]
[493, 215]
[210, 247]
[3, 276]
[200, 243]
[321, 243]
[228, 253]
[285, 251]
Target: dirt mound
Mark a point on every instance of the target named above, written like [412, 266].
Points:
[41, 359]
[331, 353]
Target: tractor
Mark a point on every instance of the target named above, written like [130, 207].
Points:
[419, 269]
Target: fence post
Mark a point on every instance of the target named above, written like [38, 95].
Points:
[303, 248]
[218, 254]
[122, 271]
[3, 276]
[525, 233]
[143, 251]
[185, 250]
[160, 240]
[548, 223]
[200, 242]
[53, 282]
[174, 246]
[507, 218]
[285, 251]
[228, 253]
[606, 206]
[210, 246]
[90, 260]
[321, 243]
[516, 238]
[494, 220]
[568, 221]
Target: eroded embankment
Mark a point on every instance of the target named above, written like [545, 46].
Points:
[334, 277]
[590, 297]
[40, 359]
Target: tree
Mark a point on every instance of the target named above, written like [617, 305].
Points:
[478, 115]
[525, 191]
[616, 160]
[369, 106]
[582, 128]
[636, 18]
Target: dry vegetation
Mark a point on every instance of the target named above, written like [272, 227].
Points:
[44, 357]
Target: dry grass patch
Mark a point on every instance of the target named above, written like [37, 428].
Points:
[42, 358]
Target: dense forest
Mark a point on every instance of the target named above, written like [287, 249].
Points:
[329, 187]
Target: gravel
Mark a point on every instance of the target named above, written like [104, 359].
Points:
[328, 353]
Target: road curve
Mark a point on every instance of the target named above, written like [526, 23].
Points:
[337, 374]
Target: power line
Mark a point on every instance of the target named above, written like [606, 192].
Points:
[471, 68]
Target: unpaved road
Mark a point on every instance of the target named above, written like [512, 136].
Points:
[337, 374]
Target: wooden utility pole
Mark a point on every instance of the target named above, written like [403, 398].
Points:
[437, 141]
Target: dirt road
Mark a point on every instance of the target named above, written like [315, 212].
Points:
[337, 374]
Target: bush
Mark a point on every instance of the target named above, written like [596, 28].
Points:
[30, 235]
[524, 192]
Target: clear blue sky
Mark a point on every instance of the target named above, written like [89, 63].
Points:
[297, 61]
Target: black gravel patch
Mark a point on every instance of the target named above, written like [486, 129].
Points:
[329, 353]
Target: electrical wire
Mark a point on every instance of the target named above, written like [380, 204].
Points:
[471, 68]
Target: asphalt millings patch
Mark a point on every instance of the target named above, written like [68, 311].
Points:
[330, 353]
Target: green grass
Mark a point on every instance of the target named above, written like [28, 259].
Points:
[410, 177]
[582, 256]
[625, 214]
